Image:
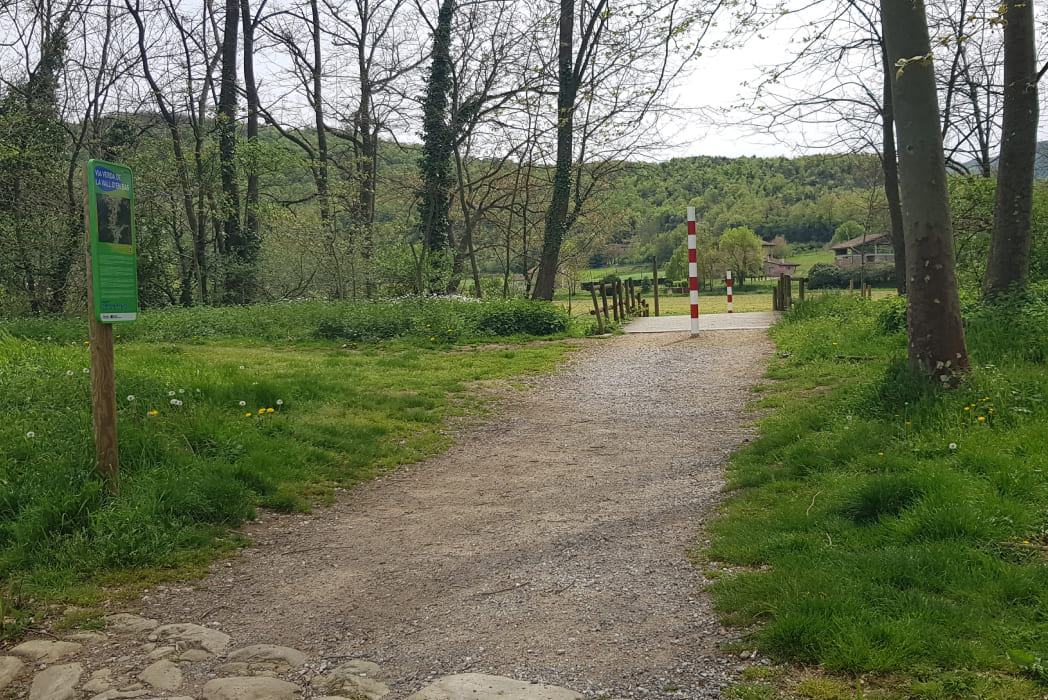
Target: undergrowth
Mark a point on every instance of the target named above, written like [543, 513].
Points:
[882, 525]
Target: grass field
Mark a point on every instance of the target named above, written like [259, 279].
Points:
[885, 529]
[221, 411]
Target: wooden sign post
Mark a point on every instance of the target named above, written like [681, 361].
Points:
[112, 295]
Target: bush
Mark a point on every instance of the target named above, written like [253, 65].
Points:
[825, 275]
[520, 317]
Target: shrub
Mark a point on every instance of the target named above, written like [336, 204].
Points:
[825, 275]
[520, 316]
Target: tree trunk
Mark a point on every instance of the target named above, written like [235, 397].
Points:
[557, 214]
[239, 277]
[437, 141]
[251, 233]
[1009, 261]
[936, 335]
[890, 166]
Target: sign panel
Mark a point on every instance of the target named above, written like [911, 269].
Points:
[114, 260]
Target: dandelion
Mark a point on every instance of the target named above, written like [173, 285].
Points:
[1026, 541]
[247, 415]
[130, 397]
[181, 391]
[427, 325]
[953, 445]
[30, 435]
[243, 403]
[982, 417]
[87, 342]
[269, 410]
[69, 373]
[241, 366]
[86, 370]
[967, 408]
[907, 422]
[176, 402]
[990, 410]
[880, 454]
[170, 393]
[280, 402]
[154, 412]
[835, 343]
[432, 338]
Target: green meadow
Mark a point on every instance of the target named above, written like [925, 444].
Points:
[222, 411]
[887, 531]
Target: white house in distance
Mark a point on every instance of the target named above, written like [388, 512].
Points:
[870, 248]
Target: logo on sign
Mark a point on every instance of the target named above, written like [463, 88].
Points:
[108, 181]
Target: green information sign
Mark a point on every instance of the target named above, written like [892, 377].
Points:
[114, 264]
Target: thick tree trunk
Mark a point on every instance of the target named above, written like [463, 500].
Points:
[890, 166]
[936, 335]
[557, 214]
[1009, 261]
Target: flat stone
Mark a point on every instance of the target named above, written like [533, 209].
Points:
[192, 655]
[45, 651]
[479, 686]
[10, 667]
[128, 624]
[56, 682]
[162, 675]
[120, 694]
[160, 653]
[190, 636]
[86, 637]
[269, 653]
[354, 678]
[252, 688]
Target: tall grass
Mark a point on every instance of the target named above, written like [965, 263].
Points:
[215, 420]
[883, 524]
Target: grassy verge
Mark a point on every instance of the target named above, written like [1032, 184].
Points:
[212, 427]
[884, 528]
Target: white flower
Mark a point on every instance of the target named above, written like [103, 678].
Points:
[87, 371]
[953, 445]
[170, 393]
[280, 402]
[241, 366]
[243, 403]
[69, 373]
[176, 402]
[130, 397]
[30, 435]
[181, 391]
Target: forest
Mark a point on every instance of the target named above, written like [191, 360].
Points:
[348, 149]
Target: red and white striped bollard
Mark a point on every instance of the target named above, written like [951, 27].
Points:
[729, 291]
[693, 272]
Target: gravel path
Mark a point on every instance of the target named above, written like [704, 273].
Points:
[547, 545]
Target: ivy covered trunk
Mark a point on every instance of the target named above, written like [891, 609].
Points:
[557, 214]
[934, 329]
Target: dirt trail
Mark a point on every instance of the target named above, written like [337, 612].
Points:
[547, 545]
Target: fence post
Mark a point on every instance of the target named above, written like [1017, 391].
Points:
[801, 281]
[614, 302]
[788, 291]
[596, 309]
[655, 281]
[604, 300]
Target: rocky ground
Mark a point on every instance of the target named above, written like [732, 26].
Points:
[544, 556]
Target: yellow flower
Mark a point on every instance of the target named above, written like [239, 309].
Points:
[880, 454]
[835, 343]
[982, 417]
[1026, 541]
[427, 325]
[990, 410]
[270, 410]
[154, 412]
[907, 422]
[247, 415]
[432, 338]
[967, 408]
[87, 342]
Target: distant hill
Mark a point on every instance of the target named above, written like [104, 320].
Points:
[1040, 163]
